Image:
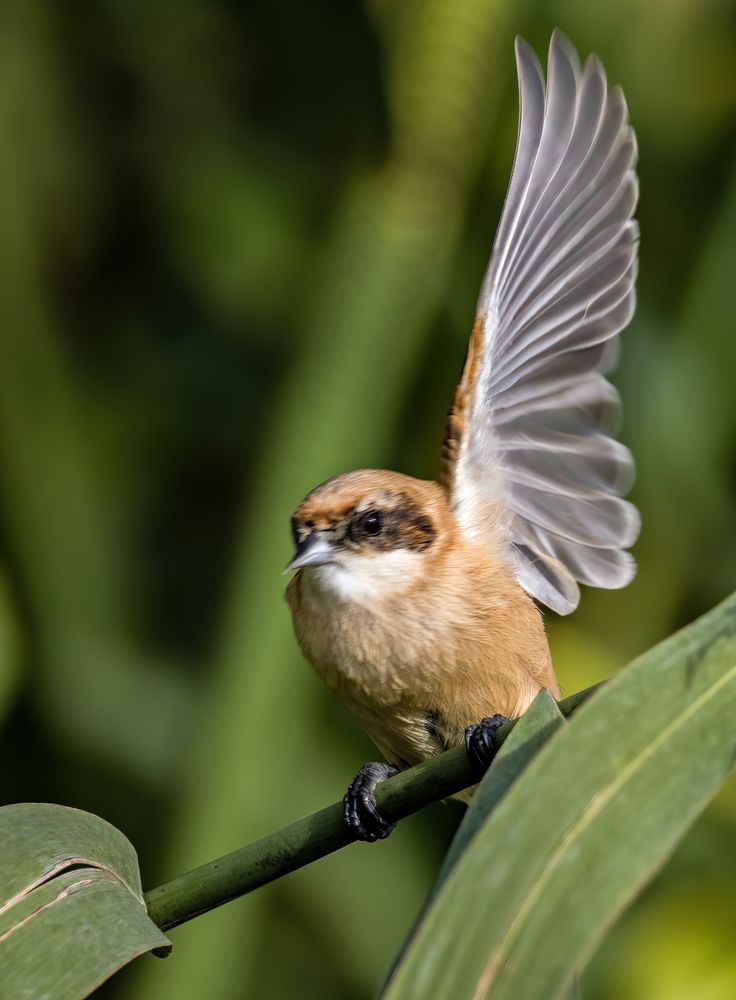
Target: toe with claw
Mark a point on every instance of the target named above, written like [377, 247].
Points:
[481, 744]
[361, 812]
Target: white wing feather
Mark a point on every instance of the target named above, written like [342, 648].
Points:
[538, 452]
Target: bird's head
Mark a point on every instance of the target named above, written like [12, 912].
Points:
[369, 534]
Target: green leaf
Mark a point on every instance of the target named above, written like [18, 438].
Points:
[596, 813]
[71, 905]
[529, 734]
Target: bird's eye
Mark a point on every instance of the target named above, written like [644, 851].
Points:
[364, 524]
[372, 523]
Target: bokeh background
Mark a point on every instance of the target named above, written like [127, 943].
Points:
[240, 246]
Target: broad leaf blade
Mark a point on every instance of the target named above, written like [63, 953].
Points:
[541, 720]
[530, 733]
[71, 905]
[596, 813]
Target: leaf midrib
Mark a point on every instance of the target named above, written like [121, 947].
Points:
[62, 868]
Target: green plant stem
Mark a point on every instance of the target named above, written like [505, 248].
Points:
[315, 836]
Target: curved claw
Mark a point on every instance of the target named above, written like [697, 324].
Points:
[481, 745]
[361, 812]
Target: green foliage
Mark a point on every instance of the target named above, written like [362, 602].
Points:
[540, 721]
[71, 906]
[596, 813]
[530, 733]
[9, 647]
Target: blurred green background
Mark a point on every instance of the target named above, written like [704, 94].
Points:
[239, 252]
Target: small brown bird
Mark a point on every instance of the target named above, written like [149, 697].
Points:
[414, 600]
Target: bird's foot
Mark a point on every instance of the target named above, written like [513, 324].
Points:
[361, 812]
[481, 745]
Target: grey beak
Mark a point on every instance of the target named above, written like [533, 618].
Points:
[311, 551]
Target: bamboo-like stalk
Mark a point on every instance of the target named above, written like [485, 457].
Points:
[315, 836]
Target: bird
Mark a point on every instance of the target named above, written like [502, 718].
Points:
[419, 602]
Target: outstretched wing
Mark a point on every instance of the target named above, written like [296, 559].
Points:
[530, 446]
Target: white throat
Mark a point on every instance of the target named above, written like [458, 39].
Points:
[363, 578]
